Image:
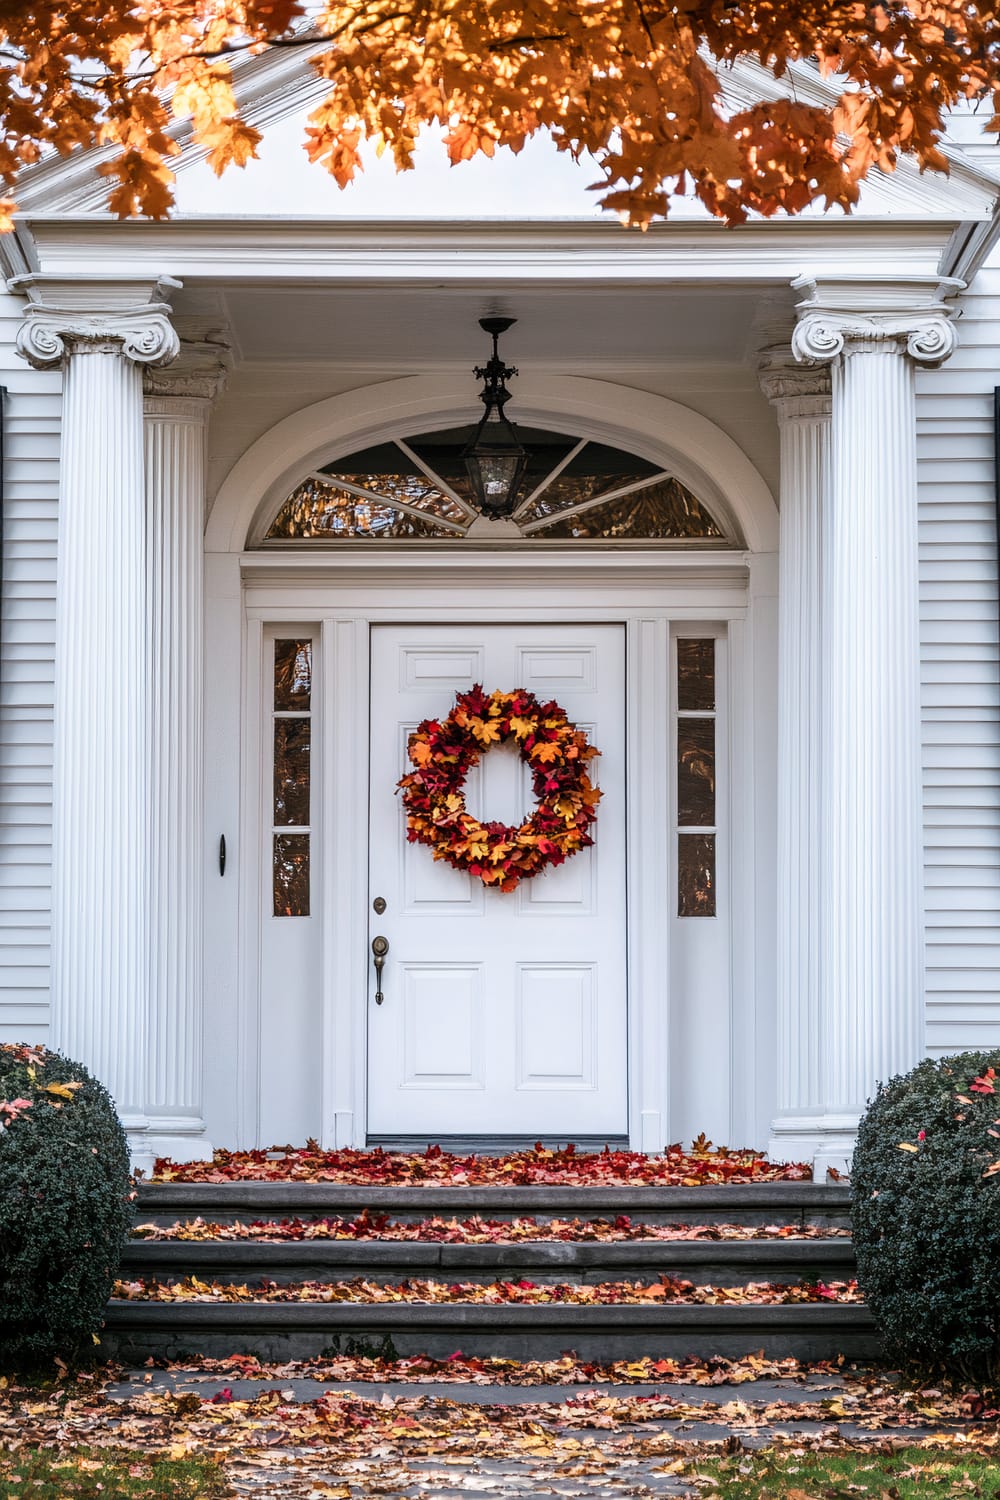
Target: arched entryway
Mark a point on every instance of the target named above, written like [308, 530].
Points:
[640, 1038]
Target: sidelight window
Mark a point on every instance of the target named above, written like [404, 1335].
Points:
[291, 789]
[696, 777]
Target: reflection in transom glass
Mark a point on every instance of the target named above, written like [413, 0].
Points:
[417, 489]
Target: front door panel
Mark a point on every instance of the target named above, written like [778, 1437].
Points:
[504, 1013]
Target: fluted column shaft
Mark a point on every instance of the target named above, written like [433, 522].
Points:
[804, 425]
[175, 490]
[873, 954]
[870, 917]
[99, 791]
[101, 334]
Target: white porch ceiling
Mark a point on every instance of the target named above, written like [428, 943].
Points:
[409, 327]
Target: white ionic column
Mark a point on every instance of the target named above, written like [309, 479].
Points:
[872, 946]
[177, 405]
[802, 400]
[102, 336]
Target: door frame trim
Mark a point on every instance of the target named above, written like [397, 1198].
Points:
[649, 593]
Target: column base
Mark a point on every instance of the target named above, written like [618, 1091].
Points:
[140, 1154]
[824, 1138]
[181, 1137]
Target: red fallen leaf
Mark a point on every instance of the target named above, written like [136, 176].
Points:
[984, 1085]
[224, 1395]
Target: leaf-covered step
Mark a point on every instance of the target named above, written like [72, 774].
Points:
[733, 1261]
[762, 1203]
[136, 1330]
[497, 1293]
[563, 1166]
[474, 1231]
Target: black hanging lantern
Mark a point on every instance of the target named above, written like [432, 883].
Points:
[495, 459]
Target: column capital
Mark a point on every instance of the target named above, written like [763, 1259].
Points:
[197, 375]
[798, 392]
[838, 318]
[130, 318]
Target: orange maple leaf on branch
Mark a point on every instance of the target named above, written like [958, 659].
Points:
[638, 85]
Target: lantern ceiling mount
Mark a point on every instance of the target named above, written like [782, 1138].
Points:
[495, 460]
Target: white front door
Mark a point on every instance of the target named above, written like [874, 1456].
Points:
[504, 1014]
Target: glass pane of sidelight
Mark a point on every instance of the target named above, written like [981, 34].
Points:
[696, 773]
[291, 771]
[292, 675]
[291, 875]
[695, 674]
[696, 875]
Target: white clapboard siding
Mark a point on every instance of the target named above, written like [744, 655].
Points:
[31, 486]
[961, 698]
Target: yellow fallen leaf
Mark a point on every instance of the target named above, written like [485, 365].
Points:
[63, 1090]
[905, 1146]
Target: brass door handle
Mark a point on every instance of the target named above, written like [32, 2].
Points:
[380, 947]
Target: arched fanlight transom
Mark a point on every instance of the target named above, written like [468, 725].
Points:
[417, 489]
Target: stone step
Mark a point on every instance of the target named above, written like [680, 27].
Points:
[800, 1203]
[133, 1331]
[719, 1262]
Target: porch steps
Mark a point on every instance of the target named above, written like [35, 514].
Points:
[276, 1330]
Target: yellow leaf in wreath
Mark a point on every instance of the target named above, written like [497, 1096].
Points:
[486, 731]
[545, 752]
[453, 802]
[521, 727]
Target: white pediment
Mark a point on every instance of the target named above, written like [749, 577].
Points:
[279, 90]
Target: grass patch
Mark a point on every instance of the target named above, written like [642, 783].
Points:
[83, 1474]
[852, 1474]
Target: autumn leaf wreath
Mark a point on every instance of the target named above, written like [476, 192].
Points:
[444, 751]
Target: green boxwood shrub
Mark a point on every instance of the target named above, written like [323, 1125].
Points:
[65, 1205]
[926, 1205]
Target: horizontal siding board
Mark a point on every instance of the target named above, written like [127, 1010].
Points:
[30, 976]
[33, 1031]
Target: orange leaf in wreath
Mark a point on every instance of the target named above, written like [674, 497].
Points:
[546, 752]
